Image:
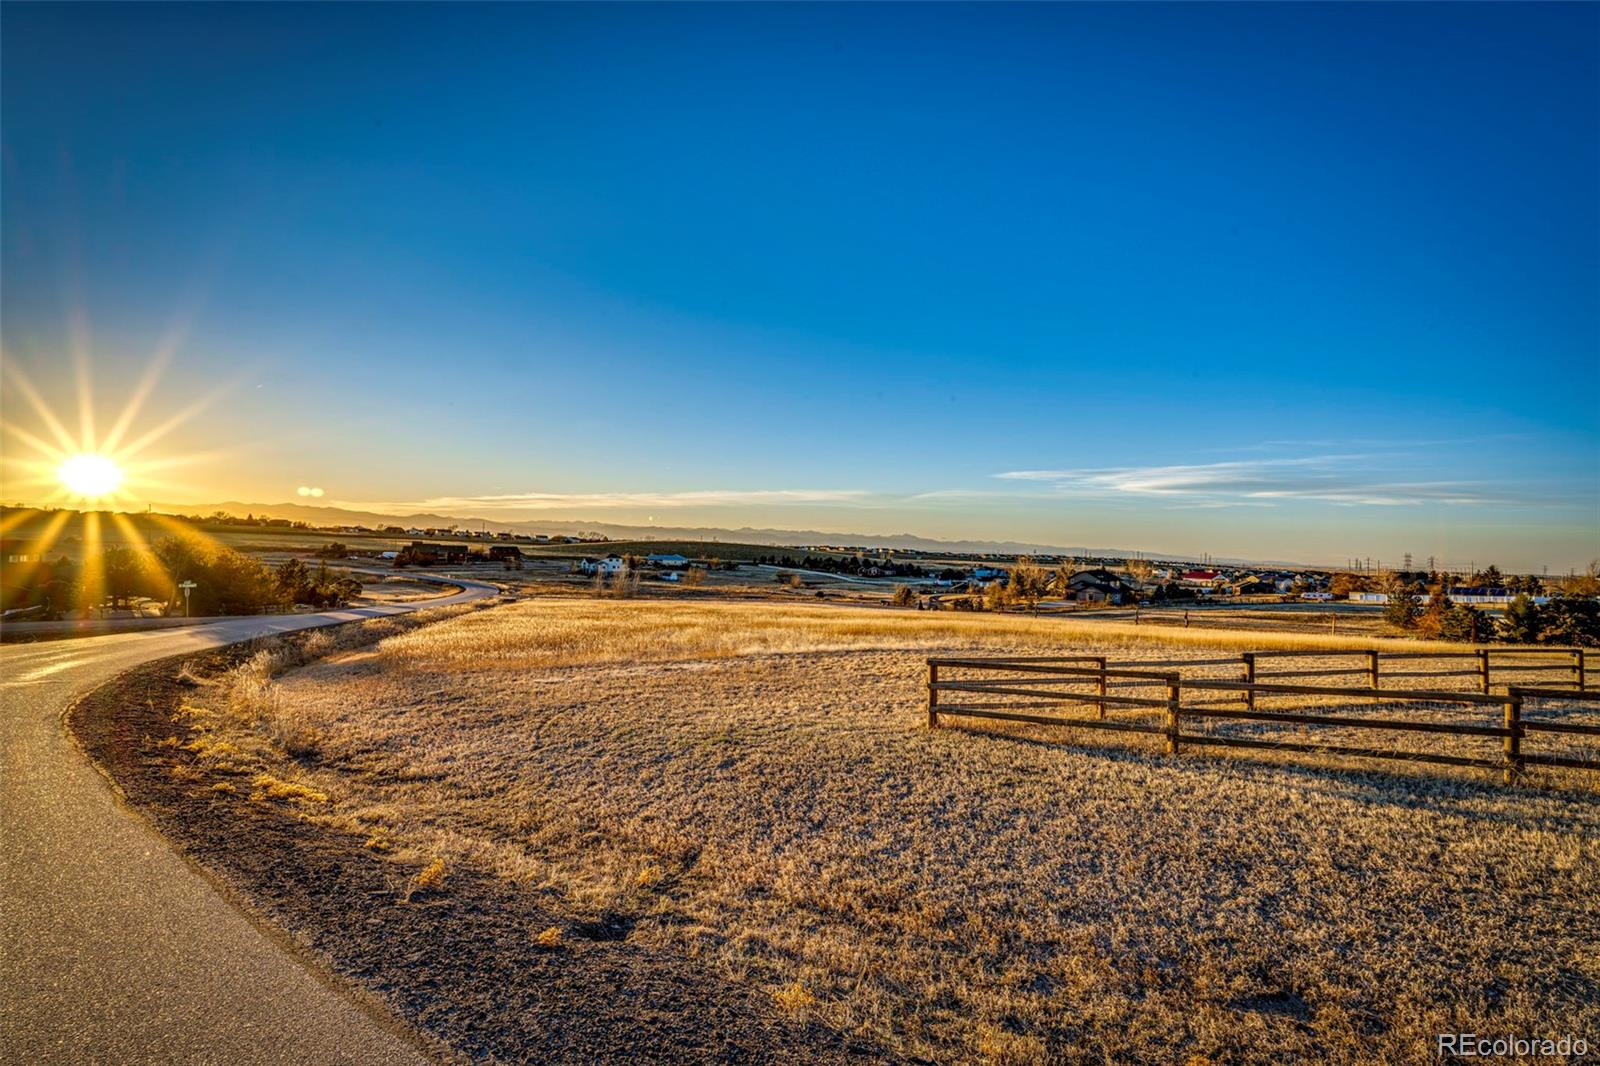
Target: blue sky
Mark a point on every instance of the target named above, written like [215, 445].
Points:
[1273, 280]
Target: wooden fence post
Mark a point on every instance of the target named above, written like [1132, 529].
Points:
[1100, 662]
[1483, 669]
[1249, 658]
[1172, 714]
[1577, 668]
[1514, 738]
[1372, 669]
[933, 695]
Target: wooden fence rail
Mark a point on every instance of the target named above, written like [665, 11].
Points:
[1036, 683]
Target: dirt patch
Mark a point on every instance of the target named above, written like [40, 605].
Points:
[462, 960]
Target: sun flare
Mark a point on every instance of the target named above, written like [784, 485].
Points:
[90, 476]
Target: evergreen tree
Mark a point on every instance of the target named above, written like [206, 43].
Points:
[1573, 620]
[1402, 608]
[1522, 621]
[1463, 624]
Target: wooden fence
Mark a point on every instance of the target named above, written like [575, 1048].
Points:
[1015, 689]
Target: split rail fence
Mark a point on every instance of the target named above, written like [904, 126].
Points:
[1184, 694]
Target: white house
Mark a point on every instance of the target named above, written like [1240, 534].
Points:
[611, 564]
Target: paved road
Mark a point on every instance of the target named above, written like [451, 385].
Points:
[112, 947]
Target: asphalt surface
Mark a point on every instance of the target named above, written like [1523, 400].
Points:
[113, 948]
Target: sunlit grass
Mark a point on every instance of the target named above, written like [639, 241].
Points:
[752, 784]
[552, 631]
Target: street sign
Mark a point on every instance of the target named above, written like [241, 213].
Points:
[187, 587]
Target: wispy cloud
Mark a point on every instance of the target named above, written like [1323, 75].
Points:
[587, 501]
[1347, 479]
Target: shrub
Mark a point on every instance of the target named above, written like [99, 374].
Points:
[904, 596]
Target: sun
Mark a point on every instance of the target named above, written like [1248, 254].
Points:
[90, 476]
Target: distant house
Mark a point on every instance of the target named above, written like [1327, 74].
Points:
[423, 553]
[1200, 577]
[20, 551]
[504, 552]
[667, 561]
[1252, 586]
[611, 564]
[1097, 586]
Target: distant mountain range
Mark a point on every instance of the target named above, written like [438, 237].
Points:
[323, 515]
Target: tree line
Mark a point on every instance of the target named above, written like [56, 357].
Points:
[225, 581]
[1570, 617]
[855, 565]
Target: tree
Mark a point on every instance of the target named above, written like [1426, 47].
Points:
[1027, 583]
[1463, 624]
[1525, 583]
[1489, 575]
[1061, 582]
[1139, 569]
[1344, 584]
[293, 583]
[1402, 608]
[226, 581]
[1522, 622]
[1434, 612]
[1584, 584]
[1573, 620]
[995, 597]
[126, 573]
[904, 596]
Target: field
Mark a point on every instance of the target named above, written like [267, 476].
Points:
[750, 788]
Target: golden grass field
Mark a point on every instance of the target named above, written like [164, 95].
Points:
[753, 787]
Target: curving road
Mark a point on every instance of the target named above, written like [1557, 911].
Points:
[112, 947]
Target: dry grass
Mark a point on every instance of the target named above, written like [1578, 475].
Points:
[751, 786]
[269, 787]
[563, 632]
[431, 876]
